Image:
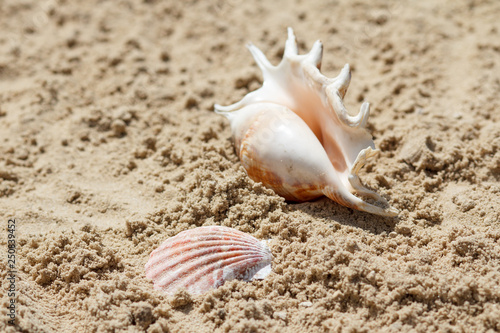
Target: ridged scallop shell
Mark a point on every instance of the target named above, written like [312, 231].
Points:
[295, 135]
[204, 258]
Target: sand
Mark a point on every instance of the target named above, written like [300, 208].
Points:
[109, 145]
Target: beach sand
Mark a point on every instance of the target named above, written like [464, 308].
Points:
[109, 145]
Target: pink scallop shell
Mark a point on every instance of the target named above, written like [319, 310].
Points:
[204, 258]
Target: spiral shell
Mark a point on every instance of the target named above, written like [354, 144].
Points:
[204, 258]
[296, 137]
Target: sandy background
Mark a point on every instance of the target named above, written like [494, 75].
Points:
[109, 145]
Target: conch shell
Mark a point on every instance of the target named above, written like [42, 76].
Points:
[295, 135]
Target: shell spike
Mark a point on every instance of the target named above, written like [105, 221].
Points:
[354, 180]
[291, 44]
[219, 109]
[335, 100]
[316, 54]
[342, 81]
[259, 58]
[350, 200]
[227, 110]
[364, 112]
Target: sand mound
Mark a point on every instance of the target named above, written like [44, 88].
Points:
[109, 145]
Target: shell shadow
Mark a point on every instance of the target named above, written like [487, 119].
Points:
[332, 212]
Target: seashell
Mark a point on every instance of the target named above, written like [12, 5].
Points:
[295, 135]
[204, 258]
